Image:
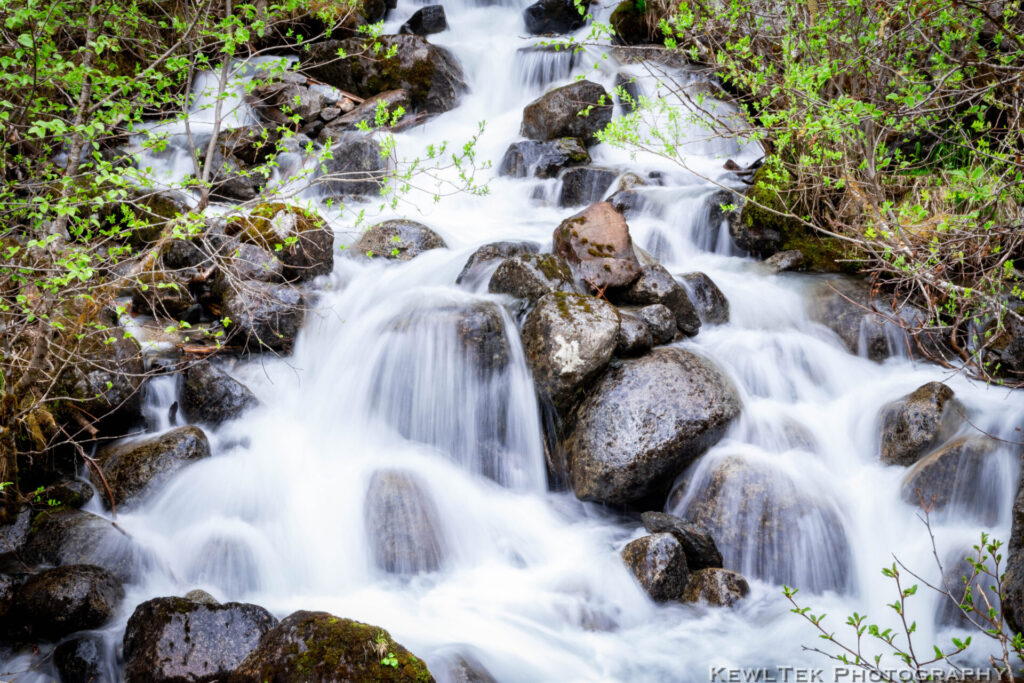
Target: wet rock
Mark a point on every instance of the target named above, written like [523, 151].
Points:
[659, 565]
[317, 647]
[57, 602]
[397, 240]
[65, 536]
[402, 524]
[959, 573]
[791, 259]
[354, 167]
[552, 16]
[766, 525]
[634, 336]
[1013, 582]
[596, 241]
[847, 308]
[543, 159]
[82, 660]
[367, 113]
[708, 300]
[583, 185]
[644, 422]
[162, 294]
[252, 145]
[655, 285]
[14, 534]
[460, 667]
[243, 261]
[634, 26]
[107, 383]
[301, 240]
[660, 322]
[701, 551]
[211, 395]
[179, 254]
[481, 330]
[483, 261]
[954, 476]
[912, 425]
[430, 73]
[173, 639]
[718, 587]
[568, 339]
[201, 596]
[531, 276]
[426, 21]
[231, 180]
[72, 493]
[264, 315]
[555, 114]
[130, 467]
[277, 103]
[629, 203]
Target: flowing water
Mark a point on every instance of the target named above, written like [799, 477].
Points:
[380, 391]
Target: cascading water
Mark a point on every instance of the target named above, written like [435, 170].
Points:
[408, 393]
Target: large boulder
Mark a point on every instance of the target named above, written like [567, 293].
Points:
[531, 276]
[353, 167]
[568, 339]
[655, 285]
[168, 640]
[597, 243]
[241, 261]
[130, 467]
[556, 114]
[708, 300]
[397, 240]
[402, 524]
[644, 422]
[430, 73]
[913, 424]
[957, 476]
[301, 240]
[264, 315]
[716, 586]
[208, 394]
[485, 259]
[60, 601]
[659, 565]
[543, 159]
[701, 551]
[317, 647]
[582, 185]
[553, 16]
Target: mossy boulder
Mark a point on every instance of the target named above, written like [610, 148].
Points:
[317, 647]
[531, 276]
[301, 240]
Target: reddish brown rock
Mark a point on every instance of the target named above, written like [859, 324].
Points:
[596, 242]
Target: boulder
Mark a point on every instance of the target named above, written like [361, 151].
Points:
[716, 586]
[425, 21]
[568, 339]
[353, 167]
[707, 299]
[847, 308]
[60, 601]
[317, 647]
[701, 551]
[660, 322]
[531, 276]
[397, 240]
[630, 203]
[430, 73]
[130, 467]
[402, 524]
[107, 382]
[913, 424]
[82, 660]
[208, 394]
[264, 315]
[597, 243]
[644, 422]
[173, 639]
[14, 532]
[485, 259]
[784, 261]
[392, 100]
[556, 114]
[543, 159]
[659, 565]
[655, 285]
[481, 330]
[582, 185]
[302, 241]
[955, 476]
[553, 16]
[634, 336]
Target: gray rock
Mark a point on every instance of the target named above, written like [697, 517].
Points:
[173, 639]
[264, 315]
[402, 524]
[543, 159]
[707, 299]
[485, 259]
[397, 240]
[582, 185]
[716, 586]
[211, 395]
[367, 113]
[701, 551]
[655, 285]
[634, 336]
[14, 534]
[57, 602]
[301, 240]
[244, 261]
[354, 167]
[629, 203]
[846, 307]
[913, 424]
[568, 339]
[959, 573]
[597, 243]
[644, 422]
[426, 21]
[791, 259]
[131, 467]
[201, 596]
[556, 113]
[659, 565]
[954, 477]
[552, 16]
[531, 276]
[660, 322]
[83, 660]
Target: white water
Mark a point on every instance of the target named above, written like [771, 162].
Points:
[530, 582]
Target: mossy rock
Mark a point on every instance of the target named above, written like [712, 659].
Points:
[302, 240]
[633, 25]
[317, 647]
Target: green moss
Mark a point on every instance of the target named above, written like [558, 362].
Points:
[258, 227]
[552, 268]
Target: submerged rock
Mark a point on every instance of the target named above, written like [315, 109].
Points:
[173, 639]
[402, 524]
[955, 476]
[596, 241]
[659, 565]
[846, 307]
[913, 424]
[556, 114]
[543, 159]
[57, 602]
[644, 422]
[531, 276]
[317, 647]
[485, 259]
[397, 240]
[209, 394]
[701, 551]
[716, 586]
[708, 300]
